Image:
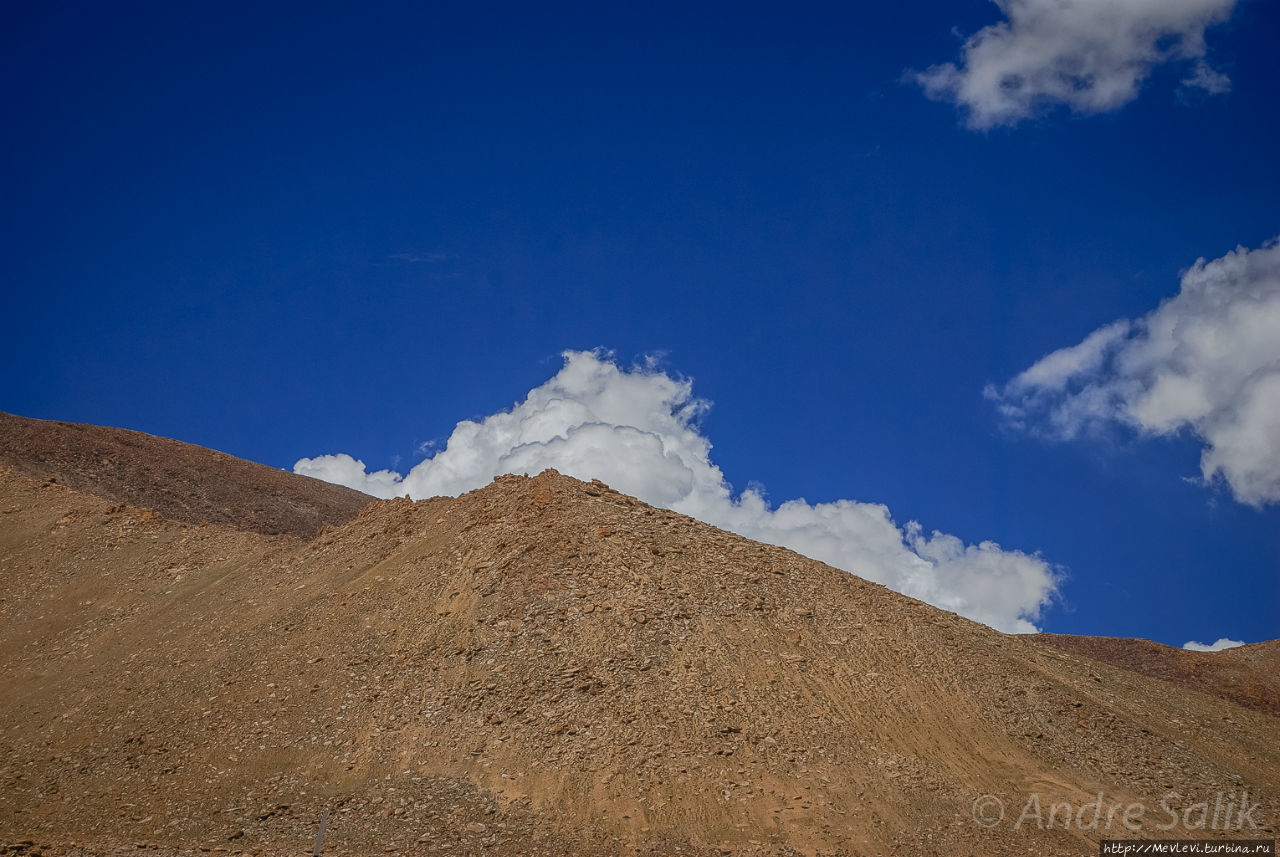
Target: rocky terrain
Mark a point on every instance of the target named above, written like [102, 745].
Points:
[1246, 675]
[177, 480]
[543, 666]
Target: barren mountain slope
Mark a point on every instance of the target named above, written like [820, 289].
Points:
[542, 666]
[180, 481]
[1247, 675]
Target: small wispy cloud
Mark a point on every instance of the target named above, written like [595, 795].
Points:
[1207, 79]
[427, 447]
[423, 258]
[1091, 56]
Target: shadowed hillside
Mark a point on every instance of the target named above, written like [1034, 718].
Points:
[180, 481]
[1247, 675]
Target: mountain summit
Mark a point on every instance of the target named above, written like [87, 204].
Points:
[542, 666]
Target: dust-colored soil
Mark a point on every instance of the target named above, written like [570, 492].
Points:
[178, 480]
[1248, 675]
[546, 667]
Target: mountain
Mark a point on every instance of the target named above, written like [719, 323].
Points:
[1246, 675]
[180, 481]
[542, 666]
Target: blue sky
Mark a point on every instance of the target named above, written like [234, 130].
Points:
[342, 229]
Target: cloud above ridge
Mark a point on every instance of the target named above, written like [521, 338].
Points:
[1219, 645]
[1089, 55]
[637, 430]
[1206, 361]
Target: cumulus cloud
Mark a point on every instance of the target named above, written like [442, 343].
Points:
[1219, 645]
[638, 431]
[1205, 361]
[1090, 55]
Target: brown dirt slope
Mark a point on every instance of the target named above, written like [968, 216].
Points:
[180, 481]
[1248, 675]
[545, 667]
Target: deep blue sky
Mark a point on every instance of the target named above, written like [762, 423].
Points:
[344, 227]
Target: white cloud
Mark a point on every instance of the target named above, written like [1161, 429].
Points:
[1222, 643]
[637, 430]
[1205, 77]
[1207, 360]
[1090, 55]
